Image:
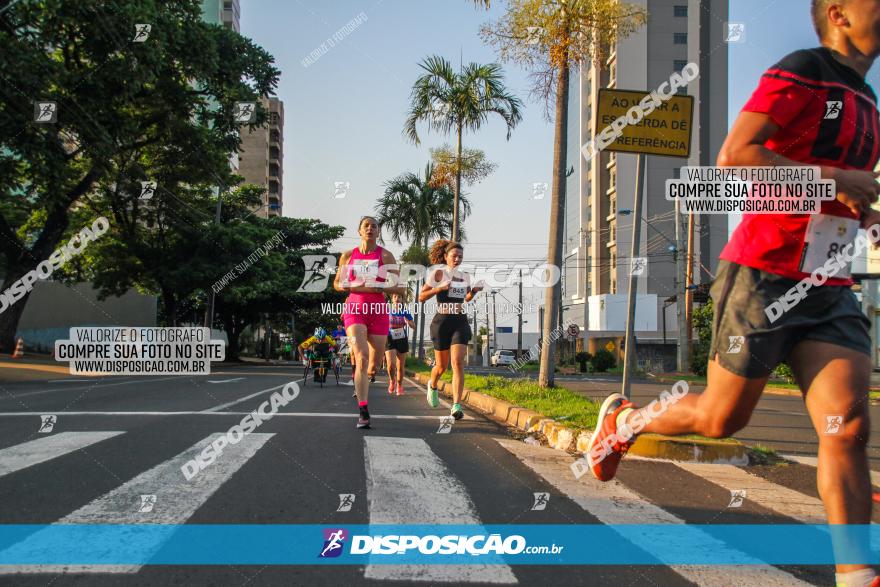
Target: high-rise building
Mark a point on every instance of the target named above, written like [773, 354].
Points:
[261, 159]
[225, 12]
[600, 192]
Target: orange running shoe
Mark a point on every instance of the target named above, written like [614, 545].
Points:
[607, 446]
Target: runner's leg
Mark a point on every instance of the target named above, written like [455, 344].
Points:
[357, 334]
[441, 363]
[390, 365]
[722, 409]
[457, 354]
[377, 348]
[835, 381]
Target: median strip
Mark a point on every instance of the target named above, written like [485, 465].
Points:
[524, 405]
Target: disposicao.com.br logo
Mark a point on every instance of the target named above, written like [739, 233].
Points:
[450, 544]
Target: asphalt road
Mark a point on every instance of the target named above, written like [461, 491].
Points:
[115, 439]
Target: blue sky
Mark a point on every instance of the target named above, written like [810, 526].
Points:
[344, 113]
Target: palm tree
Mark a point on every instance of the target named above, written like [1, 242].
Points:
[550, 37]
[412, 209]
[459, 102]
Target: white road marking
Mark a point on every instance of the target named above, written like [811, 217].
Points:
[782, 500]
[613, 504]
[208, 413]
[408, 484]
[226, 380]
[246, 398]
[176, 501]
[34, 452]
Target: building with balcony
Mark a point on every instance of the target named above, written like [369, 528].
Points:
[261, 159]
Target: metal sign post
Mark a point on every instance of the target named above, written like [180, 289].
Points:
[665, 131]
[629, 351]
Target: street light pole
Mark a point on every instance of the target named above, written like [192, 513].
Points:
[209, 316]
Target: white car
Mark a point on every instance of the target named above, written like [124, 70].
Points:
[500, 358]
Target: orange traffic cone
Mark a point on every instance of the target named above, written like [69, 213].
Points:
[19, 349]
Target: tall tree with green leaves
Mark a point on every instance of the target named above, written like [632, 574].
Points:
[113, 93]
[450, 102]
[549, 37]
[413, 209]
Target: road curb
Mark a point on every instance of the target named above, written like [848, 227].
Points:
[573, 440]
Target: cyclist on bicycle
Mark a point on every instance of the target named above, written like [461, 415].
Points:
[318, 347]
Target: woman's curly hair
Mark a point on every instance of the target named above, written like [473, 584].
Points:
[437, 254]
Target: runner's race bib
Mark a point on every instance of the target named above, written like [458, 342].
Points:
[365, 270]
[457, 289]
[397, 333]
[826, 237]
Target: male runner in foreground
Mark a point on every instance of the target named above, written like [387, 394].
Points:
[811, 108]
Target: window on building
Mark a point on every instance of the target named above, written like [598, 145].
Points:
[680, 10]
[676, 173]
[679, 64]
[680, 38]
[682, 91]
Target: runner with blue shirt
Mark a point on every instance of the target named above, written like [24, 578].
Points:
[397, 346]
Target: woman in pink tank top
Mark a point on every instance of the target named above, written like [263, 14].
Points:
[366, 272]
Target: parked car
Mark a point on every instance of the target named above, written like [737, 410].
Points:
[500, 358]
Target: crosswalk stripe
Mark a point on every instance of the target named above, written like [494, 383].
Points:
[782, 500]
[34, 452]
[176, 501]
[408, 484]
[613, 503]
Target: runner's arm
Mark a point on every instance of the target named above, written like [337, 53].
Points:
[429, 292]
[744, 147]
[392, 276]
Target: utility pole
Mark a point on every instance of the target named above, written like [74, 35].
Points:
[519, 320]
[488, 333]
[209, 315]
[689, 282]
[681, 288]
[494, 321]
[474, 301]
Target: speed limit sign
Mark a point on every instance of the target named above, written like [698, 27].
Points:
[573, 330]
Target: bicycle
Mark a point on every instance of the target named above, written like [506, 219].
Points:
[320, 373]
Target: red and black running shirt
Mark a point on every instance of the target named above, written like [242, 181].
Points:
[827, 115]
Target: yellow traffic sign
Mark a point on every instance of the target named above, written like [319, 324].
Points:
[622, 125]
[609, 347]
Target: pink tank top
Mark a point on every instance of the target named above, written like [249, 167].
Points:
[365, 266]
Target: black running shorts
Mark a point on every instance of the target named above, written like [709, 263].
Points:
[450, 329]
[751, 344]
[401, 345]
